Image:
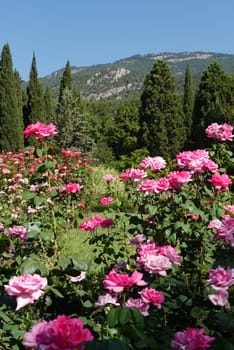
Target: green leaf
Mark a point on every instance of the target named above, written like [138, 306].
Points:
[38, 200]
[87, 304]
[27, 195]
[113, 317]
[55, 291]
[81, 265]
[125, 316]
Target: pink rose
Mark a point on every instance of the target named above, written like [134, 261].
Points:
[139, 304]
[135, 174]
[40, 130]
[26, 288]
[72, 188]
[220, 132]
[154, 163]
[108, 222]
[221, 181]
[220, 278]
[118, 282]
[150, 295]
[91, 224]
[108, 177]
[78, 278]
[106, 200]
[105, 299]
[156, 264]
[18, 231]
[220, 299]
[63, 333]
[179, 178]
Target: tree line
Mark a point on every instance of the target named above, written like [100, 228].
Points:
[159, 121]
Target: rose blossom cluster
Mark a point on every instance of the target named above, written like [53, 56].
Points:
[156, 259]
[17, 231]
[197, 161]
[108, 177]
[62, 333]
[225, 230]
[220, 132]
[220, 280]
[40, 130]
[117, 283]
[26, 288]
[154, 163]
[192, 339]
[96, 221]
[105, 200]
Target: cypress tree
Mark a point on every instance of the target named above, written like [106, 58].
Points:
[66, 81]
[35, 105]
[11, 124]
[211, 102]
[48, 105]
[162, 129]
[188, 103]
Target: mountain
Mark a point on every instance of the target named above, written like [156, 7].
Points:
[124, 78]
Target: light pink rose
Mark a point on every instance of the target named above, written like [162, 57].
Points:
[215, 224]
[132, 173]
[139, 304]
[26, 288]
[179, 178]
[220, 299]
[31, 336]
[78, 278]
[105, 299]
[108, 177]
[221, 278]
[156, 264]
[18, 231]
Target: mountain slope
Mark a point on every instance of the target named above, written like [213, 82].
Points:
[125, 77]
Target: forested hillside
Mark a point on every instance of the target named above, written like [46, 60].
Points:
[118, 113]
[125, 77]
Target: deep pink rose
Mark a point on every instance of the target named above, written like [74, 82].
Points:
[192, 339]
[108, 222]
[106, 200]
[152, 296]
[26, 288]
[63, 333]
[132, 173]
[91, 224]
[72, 188]
[118, 282]
[221, 181]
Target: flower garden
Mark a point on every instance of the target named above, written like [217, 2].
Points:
[155, 266]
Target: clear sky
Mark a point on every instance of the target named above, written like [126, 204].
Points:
[88, 32]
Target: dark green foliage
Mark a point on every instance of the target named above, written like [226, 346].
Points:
[162, 129]
[211, 102]
[188, 103]
[66, 82]
[48, 105]
[34, 110]
[11, 122]
[124, 131]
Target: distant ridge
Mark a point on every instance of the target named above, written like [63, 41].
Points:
[124, 77]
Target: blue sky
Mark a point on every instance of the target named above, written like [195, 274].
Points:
[88, 32]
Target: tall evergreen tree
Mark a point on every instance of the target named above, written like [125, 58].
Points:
[188, 103]
[35, 105]
[48, 106]
[162, 129]
[211, 102]
[11, 123]
[66, 81]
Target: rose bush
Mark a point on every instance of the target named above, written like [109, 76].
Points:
[160, 276]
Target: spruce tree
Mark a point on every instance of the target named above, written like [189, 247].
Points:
[162, 129]
[11, 123]
[211, 102]
[188, 104]
[35, 105]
